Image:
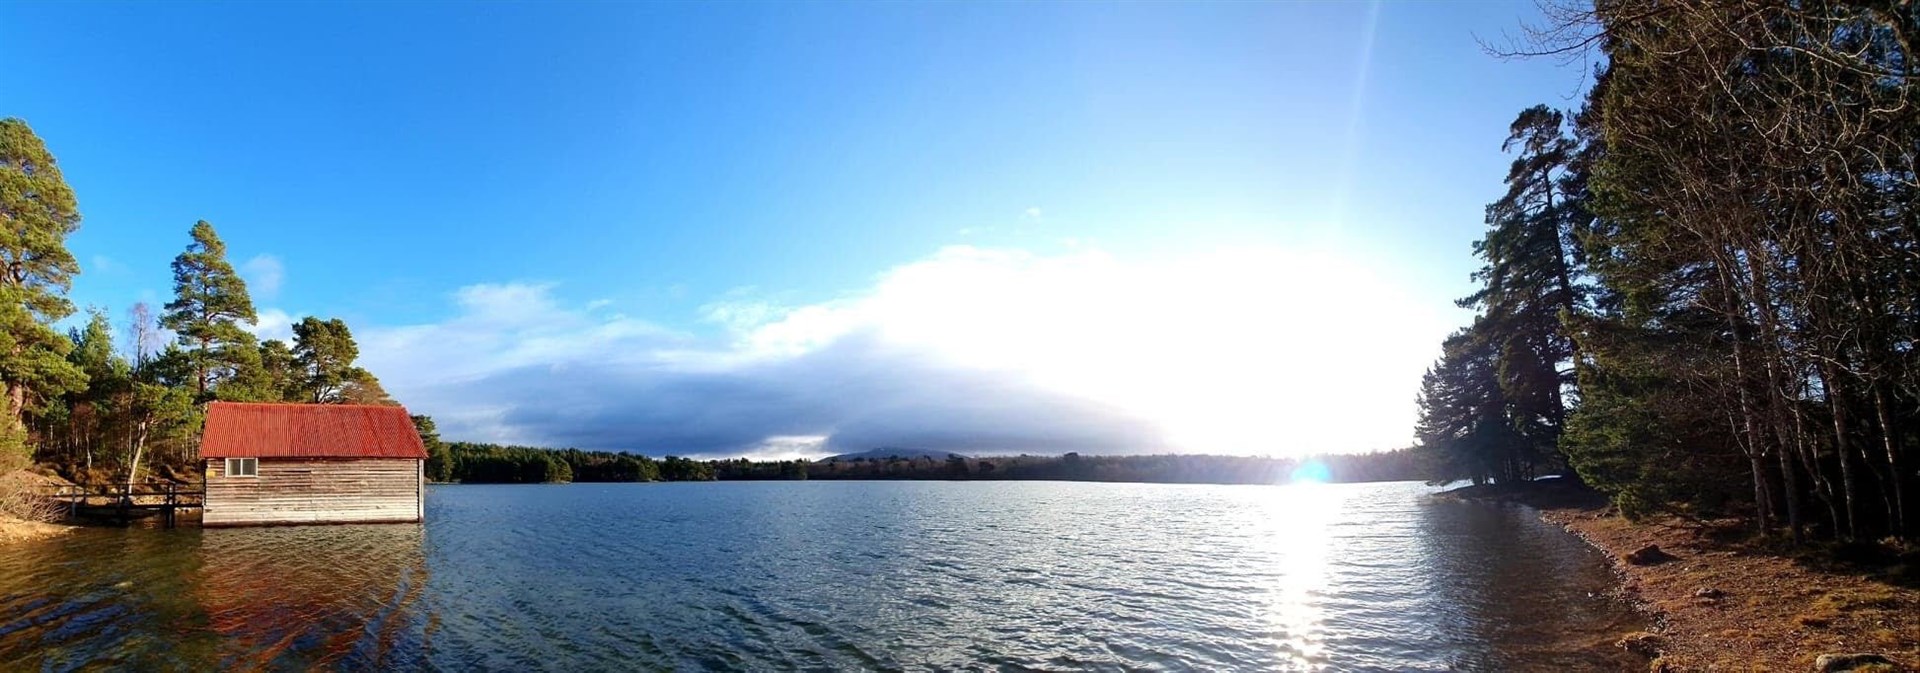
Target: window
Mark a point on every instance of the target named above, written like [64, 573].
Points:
[243, 467]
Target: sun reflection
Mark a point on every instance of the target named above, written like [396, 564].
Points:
[1299, 535]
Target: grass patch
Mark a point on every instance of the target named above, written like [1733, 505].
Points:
[1864, 603]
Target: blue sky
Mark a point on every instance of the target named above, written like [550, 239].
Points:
[801, 227]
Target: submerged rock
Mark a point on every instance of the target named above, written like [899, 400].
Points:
[1648, 555]
[1861, 662]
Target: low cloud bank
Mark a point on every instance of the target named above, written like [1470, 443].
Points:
[970, 350]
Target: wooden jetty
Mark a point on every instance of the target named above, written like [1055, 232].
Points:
[123, 504]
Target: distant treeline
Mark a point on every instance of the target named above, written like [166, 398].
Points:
[497, 464]
[1178, 469]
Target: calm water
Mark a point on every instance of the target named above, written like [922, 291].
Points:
[835, 575]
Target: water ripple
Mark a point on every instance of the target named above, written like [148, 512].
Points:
[832, 576]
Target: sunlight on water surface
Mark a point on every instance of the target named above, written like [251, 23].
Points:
[840, 576]
[1301, 516]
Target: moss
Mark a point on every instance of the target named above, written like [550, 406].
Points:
[1864, 603]
[1883, 638]
[1812, 621]
[1857, 599]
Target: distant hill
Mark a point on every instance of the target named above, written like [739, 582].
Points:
[884, 453]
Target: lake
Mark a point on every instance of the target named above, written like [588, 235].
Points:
[837, 575]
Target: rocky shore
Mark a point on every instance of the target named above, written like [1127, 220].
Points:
[1723, 601]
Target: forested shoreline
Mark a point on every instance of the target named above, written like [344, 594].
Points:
[97, 409]
[1701, 289]
[472, 463]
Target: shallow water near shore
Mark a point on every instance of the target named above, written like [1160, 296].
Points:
[837, 575]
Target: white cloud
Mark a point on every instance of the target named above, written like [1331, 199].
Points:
[1235, 351]
[738, 311]
[264, 274]
[273, 323]
[509, 304]
[789, 447]
[499, 326]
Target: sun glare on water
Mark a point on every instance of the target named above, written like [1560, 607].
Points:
[1299, 520]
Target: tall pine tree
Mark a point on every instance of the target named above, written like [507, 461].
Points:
[324, 371]
[1529, 276]
[36, 270]
[209, 306]
[281, 380]
[324, 352]
[1495, 405]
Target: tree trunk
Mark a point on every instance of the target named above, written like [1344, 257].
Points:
[1756, 445]
[17, 404]
[1763, 305]
[200, 371]
[1839, 410]
[1762, 501]
[139, 445]
[1892, 444]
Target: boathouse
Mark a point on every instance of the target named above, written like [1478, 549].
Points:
[311, 463]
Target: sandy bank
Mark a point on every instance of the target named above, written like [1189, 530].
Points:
[15, 530]
[1725, 603]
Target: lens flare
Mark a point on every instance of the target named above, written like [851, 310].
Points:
[1311, 472]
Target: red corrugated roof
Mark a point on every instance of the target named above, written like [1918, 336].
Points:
[240, 430]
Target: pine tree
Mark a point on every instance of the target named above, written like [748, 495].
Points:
[1466, 427]
[248, 379]
[365, 388]
[281, 379]
[324, 352]
[92, 411]
[439, 457]
[1528, 282]
[1495, 405]
[36, 270]
[209, 306]
[324, 371]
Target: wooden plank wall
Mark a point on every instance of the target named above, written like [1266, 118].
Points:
[314, 491]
